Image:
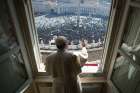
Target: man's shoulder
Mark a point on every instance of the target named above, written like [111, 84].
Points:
[66, 53]
[70, 54]
[51, 55]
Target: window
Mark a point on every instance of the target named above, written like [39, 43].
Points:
[126, 71]
[76, 20]
[15, 74]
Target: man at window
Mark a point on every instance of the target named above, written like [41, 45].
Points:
[64, 67]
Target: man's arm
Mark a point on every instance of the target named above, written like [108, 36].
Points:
[83, 54]
[76, 65]
[48, 67]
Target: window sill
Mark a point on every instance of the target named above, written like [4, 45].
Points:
[46, 79]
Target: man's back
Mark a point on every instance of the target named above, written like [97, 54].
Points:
[64, 68]
[62, 64]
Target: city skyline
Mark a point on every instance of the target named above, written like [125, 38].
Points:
[87, 7]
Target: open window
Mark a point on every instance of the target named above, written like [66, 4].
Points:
[126, 69]
[15, 70]
[76, 20]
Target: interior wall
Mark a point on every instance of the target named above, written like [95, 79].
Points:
[109, 88]
[46, 87]
[92, 88]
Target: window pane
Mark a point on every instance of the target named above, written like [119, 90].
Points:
[12, 67]
[125, 76]
[76, 20]
[126, 72]
[132, 35]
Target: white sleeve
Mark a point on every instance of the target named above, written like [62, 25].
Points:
[84, 53]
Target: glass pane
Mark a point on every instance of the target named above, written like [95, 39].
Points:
[125, 76]
[132, 35]
[76, 20]
[12, 68]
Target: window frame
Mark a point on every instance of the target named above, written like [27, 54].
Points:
[130, 4]
[106, 39]
[31, 34]
[18, 30]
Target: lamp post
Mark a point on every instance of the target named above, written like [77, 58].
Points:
[78, 17]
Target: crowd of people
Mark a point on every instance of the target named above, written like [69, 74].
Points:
[91, 29]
